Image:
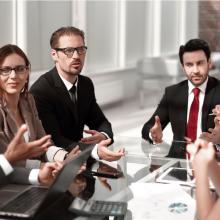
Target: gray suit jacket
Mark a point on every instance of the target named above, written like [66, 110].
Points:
[8, 126]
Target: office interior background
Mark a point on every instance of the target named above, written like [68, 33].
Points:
[132, 46]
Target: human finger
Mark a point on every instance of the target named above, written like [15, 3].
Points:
[75, 150]
[90, 131]
[19, 135]
[41, 141]
[91, 139]
[157, 120]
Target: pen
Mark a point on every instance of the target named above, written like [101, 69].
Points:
[212, 113]
[181, 141]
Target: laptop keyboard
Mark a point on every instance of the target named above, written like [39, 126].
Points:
[26, 200]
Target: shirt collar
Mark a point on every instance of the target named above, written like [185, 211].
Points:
[67, 84]
[201, 87]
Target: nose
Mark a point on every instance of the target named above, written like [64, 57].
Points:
[75, 54]
[195, 69]
[13, 74]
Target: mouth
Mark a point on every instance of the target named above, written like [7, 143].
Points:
[196, 78]
[13, 84]
[76, 65]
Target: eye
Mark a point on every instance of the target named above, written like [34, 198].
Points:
[80, 49]
[69, 50]
[6, 70]
[188, 64]
[20, 68]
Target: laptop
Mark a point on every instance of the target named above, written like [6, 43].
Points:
[26, 201]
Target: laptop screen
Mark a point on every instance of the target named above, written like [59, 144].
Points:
[65, 177]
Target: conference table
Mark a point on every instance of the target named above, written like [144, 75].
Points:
[141, 166]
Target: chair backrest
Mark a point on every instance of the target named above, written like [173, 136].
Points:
[159, 66]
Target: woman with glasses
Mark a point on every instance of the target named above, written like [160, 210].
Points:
[17, 107]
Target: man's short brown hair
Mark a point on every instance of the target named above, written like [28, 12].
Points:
[63, 31]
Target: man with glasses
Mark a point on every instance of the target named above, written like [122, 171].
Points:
[65, 99]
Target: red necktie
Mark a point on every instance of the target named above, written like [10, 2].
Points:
[193, 116]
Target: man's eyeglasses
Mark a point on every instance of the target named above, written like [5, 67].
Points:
[69, 51]
[5, 71]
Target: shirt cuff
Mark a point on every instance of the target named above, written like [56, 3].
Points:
[55, 153]
[94, 152]
[5, 165]
[33, 177]
[106, 135]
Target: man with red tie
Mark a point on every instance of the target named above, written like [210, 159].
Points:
[186, 105]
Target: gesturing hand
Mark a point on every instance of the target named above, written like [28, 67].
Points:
[95, 137]
[214, 133]
[156, 131]
[106, 154]
[201, 152]
[18, 150]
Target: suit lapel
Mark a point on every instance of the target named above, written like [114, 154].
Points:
[63, 93]
[207, 104]
[28, 118]
[82, 97]
[182, 111]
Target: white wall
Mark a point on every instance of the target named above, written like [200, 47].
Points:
[118, 33]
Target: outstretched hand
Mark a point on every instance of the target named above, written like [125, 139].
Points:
[156, 131]
[106, 154]
[19, 150]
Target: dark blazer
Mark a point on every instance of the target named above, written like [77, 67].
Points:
[3, 178]
[173, 108]
[56, 109]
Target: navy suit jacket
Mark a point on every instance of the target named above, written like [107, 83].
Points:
[173, 108]
[56, 109]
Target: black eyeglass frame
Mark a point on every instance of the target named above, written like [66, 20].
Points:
[80, 50]
[6, 71]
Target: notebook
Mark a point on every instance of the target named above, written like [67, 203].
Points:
[25, 202]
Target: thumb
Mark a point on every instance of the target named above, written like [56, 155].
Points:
[157, 120]
[216, 121]
[20, 133]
